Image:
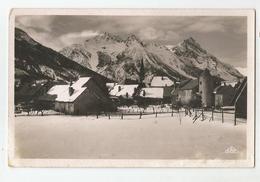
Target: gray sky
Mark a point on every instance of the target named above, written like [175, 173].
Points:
[224, 37]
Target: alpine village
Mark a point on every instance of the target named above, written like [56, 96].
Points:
[108, 75]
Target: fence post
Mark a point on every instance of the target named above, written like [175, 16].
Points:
[97, 115]
[140, 115]
[212, 113]
[235, 118]
[108, 115]
[179, 115]
[172, 112]
[122, 116]
[156, 114]
[222, 115]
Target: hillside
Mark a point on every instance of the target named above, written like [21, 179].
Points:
[34, 61]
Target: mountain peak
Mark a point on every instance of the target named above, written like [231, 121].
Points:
[108, 37]
[191, 41]
[190, 44]
[133, 38]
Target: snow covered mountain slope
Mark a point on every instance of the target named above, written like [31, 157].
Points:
[191, 53]
[119, 59]
[94, 51]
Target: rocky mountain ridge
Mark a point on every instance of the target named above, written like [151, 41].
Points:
[119, 59]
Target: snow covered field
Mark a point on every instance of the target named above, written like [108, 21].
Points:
[164, 137]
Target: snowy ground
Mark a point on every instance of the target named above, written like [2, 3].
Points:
[164, 137]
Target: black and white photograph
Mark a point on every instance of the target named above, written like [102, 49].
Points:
[131, 88]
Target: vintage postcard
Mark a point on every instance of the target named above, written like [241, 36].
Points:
[131, 88]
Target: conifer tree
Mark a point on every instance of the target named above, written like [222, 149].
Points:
[141, 73]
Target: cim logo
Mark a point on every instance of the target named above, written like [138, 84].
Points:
[231, 150]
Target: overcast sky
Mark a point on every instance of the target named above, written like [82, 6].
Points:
[224, 37]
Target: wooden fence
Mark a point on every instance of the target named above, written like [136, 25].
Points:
[195, 113]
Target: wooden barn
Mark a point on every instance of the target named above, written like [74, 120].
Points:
[80, 98]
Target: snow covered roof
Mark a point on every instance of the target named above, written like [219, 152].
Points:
[57, 89]
[161, 81]
[121, 90]
[152, 93]
[62, 91]
[231, 83]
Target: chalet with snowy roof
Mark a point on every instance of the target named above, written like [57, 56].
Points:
[124, 91]
[159, 90]
[122, 94]
[151, 96]
[155, 95]
[161, 81]
[82, 97]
